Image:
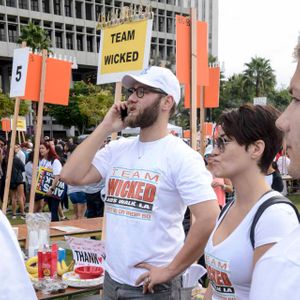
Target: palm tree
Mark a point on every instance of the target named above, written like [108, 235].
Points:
[35, 37]
[259, 77]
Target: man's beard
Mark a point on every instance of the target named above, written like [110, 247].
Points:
[146, 118]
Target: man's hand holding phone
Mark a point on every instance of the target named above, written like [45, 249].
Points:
[114, 119]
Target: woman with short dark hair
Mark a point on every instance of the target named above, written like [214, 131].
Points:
[244, 148]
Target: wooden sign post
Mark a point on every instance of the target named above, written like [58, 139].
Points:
[32, 80]
[18, 79]
[38, 132]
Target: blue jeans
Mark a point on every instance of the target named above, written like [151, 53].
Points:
[112, 290]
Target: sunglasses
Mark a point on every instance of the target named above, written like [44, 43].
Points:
[220, 142]
[141, 91]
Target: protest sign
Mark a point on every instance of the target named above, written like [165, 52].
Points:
[124, 49]
[21, 124]
[44, 182]
[6, 126]
[87, 252]
[260, 101]
[19, 72]
[212, 91]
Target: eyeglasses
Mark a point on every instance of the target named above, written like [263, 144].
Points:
[141, 91]
[220, 142]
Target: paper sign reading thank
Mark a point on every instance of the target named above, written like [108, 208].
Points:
[87, 252]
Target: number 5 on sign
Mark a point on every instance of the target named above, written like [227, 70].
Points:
[19, 72]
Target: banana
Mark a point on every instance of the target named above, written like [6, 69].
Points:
[71, 265]
[31, 265]
[59, 269]
[64, 266]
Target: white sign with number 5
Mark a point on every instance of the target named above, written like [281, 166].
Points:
[19, 72]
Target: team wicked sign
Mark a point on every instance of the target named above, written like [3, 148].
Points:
[124, 49]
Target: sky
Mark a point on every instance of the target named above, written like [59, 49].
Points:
[264, 28]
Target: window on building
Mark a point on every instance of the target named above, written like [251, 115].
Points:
[59, 25]
[23, 4]
[34, 5]
[161, 24]
[170, 52]
[161, 50]
[2, 32]
[98, 44]
[11, 3]
[46, 6]
[153, 51]
[36, 22]
[170, 25]
[98, 10]
[58, 39]
[89, 43]
[155, 23]
[47, 24]
[49, 34]
[69, 40]
[88, 11]
[78, 9]
[79, 40]
[79, 29]
[57, 8]
[12, 33]
[68, 8]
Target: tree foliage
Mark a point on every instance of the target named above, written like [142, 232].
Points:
[259, 78]
[35, 37]
[7, 106]
[88, 104]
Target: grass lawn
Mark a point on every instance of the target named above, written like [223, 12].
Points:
[295, 197]
[68, 214]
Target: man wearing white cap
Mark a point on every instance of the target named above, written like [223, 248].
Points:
[150, 181]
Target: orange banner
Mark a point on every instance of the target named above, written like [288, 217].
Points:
[183, 55]
[202, 54]
[212, 92]
[208, 128]
[5, 123]
[186, 134]
[58, 77]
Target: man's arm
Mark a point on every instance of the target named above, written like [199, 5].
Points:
[78, 169]
[205, 215]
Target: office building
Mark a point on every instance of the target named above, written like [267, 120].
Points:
[71, 26]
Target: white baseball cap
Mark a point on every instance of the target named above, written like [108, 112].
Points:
[156, 77]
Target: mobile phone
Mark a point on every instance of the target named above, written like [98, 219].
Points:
[124, 113]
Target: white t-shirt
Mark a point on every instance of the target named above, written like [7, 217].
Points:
[15, 282]
[283, 164]
[75, 189]
[28, 171]
[20, 154]
[148, 187]
[230, 263]
[55, 166]
[276, 275]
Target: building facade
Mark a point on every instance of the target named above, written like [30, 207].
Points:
[71, 26]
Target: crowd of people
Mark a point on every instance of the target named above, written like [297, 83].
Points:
[251, 246]
[52, 156]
